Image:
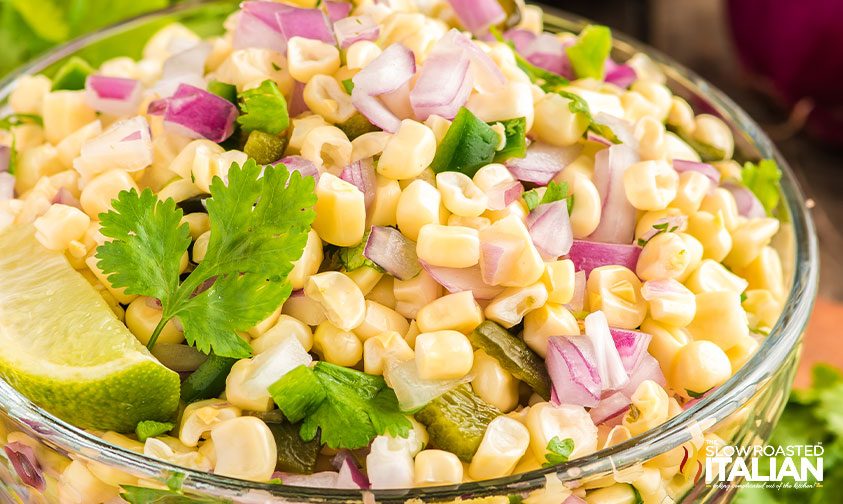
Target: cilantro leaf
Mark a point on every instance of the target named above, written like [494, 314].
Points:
[352, 258]
[144, 495]
[348, 407]
[579, 106]
[348, 85]
[763, 180]
[150, 428]
[12, 120]
[558, 451]
[264, 108]
[468, 145]
[259, 226]
[515, 131]
[588, 54]
[553, 192]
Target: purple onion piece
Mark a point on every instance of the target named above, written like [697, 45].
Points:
[361, 174]
[631, 346]
[572, 368]
[588, 255]
[26, 465]
[393, 252]
[550, 229]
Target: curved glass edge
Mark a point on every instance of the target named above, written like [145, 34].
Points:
[710, 410]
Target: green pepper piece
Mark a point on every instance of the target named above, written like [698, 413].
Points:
[357, 125]
[294, 454]
[469, 144]
[72, 75]
[457, 420]
[515, 131]
[264, 148]
[513, 355]
[223, 90]
[208, 380]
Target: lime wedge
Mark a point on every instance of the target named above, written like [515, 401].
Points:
[63, 348]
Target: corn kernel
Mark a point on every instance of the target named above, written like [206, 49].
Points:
[492, 383]
[546, 421]
[437, 467]
[720, 319]
[413, 294]
[63, 113]
[385, 207]
[380, 319]
[308, 57]
[199, 417]
[720, 201]
[549, 320]
[555, 123]
[765, 272]
[649, 408]
[340, 211]
[443, 355]
[510, 306]
[365, 277]
[558, 277]
[383, 293]
[386, 347]
[711, 276]
[616, 291]
[519, 263]
[337, 346]
[61, 225]
[244, 448]
[666, 341]
[711, 231]
[699, 366]
[308, 264]
[650, 185]
[749, 239]
[459, 312]
[418, 205]
[693, 188]
[339, 297]
[504, 443]
[448, 246]
[670, 302]
[409, 151]
[711, 130]
[143, 315]
[665, 256]
[284, 327]
[585, 216]
[460, 194]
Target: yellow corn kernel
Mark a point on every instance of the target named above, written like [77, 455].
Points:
[762, 309]
[264, 325]
[699, 366]
[380, 319]
[711, 231]
[721, 202]
[742, 352]
[61, 225]
[284, 327]
[386, 347]
[585, 216]
[119, 294]
[408, 152]
[666, 341]
[650, 185]
[369, 145]
[324, 96]
[199, 417]
[418, 205]
[78, 486]
[340, 211]
[244, 448]
[63, 113]
[693, 188]
[647, 220]
[179, 190]
[765, 272]
[711, 276]
[546, 421]
[200, 246]
[514, 99]
[521, 264]
[448, 246]
[443, 355]
[509, 307]
[492, 175]
[720, 319]
[97, 195]
[558, 277]
[679, 149]
[555, 123]
[670, 302]
[649, 408]
[385, 207]
[492, 383]
[650, 133]
[460, 194]
[339, 297]
[749, 239]
[616, 291]
[70, 147]
[549, 320]
[308, 263]
[411, 295]
[197, 222]
[337, 346]
[308, 57]
[459, 312]
[504, 443]
[28, 95]
[711, 130]
[694, 249]
[517, 209]
[437, 467]
[681, 115]
[305, 309]
[365, 277]
[657, 94]
[327, 146]
[383, 293]
[142, 315]
[665, 256]
[478, 223]
[302, 126]
[361, 53]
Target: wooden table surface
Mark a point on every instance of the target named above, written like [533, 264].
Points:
[694, 32]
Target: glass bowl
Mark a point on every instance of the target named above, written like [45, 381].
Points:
[742, 412]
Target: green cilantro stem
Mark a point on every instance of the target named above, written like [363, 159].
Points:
[157, 332]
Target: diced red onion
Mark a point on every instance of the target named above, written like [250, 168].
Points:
[550, 229]
[613, 376]
[573, 499]
[301, 165]
[573, 371]
[577, 303]
[477, 16]
[496, 256]
[5, 158]
[306, 23]
[620, 75]
[7, 186]
[631, 346]
[502, 195]
[125, 145]
[337, 10]
[542, 162]
[747, 203]
[485, 73]
[393, 68]
[594, 137]
[256, 27]
[681, 166]
[393, 252]
[620, 127]
[362, 175]
[520, 38]
[350, 475]
[548, 52]
[654, 289]
[648, 369]
[617, 215]
[679, 223]
[588, 255]
[462, 279]
[443, 86]
[297, 105]
[610, 409]
[354, 29]
[157, 107]
[64, 197]
[26, 465]
[196, 113]
[113, 95]
[324, 479]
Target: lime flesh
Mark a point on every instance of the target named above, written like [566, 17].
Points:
[63, 347]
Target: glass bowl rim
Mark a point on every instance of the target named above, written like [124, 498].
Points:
[711, 408]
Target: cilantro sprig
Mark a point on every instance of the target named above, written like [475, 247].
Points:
[264, 109]
[662, 227]
[553, 192]
[558, 451]
[348, 407]
[259, 224]
[579, 106]
[12, 120]
[150, 428]
[763, 180]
